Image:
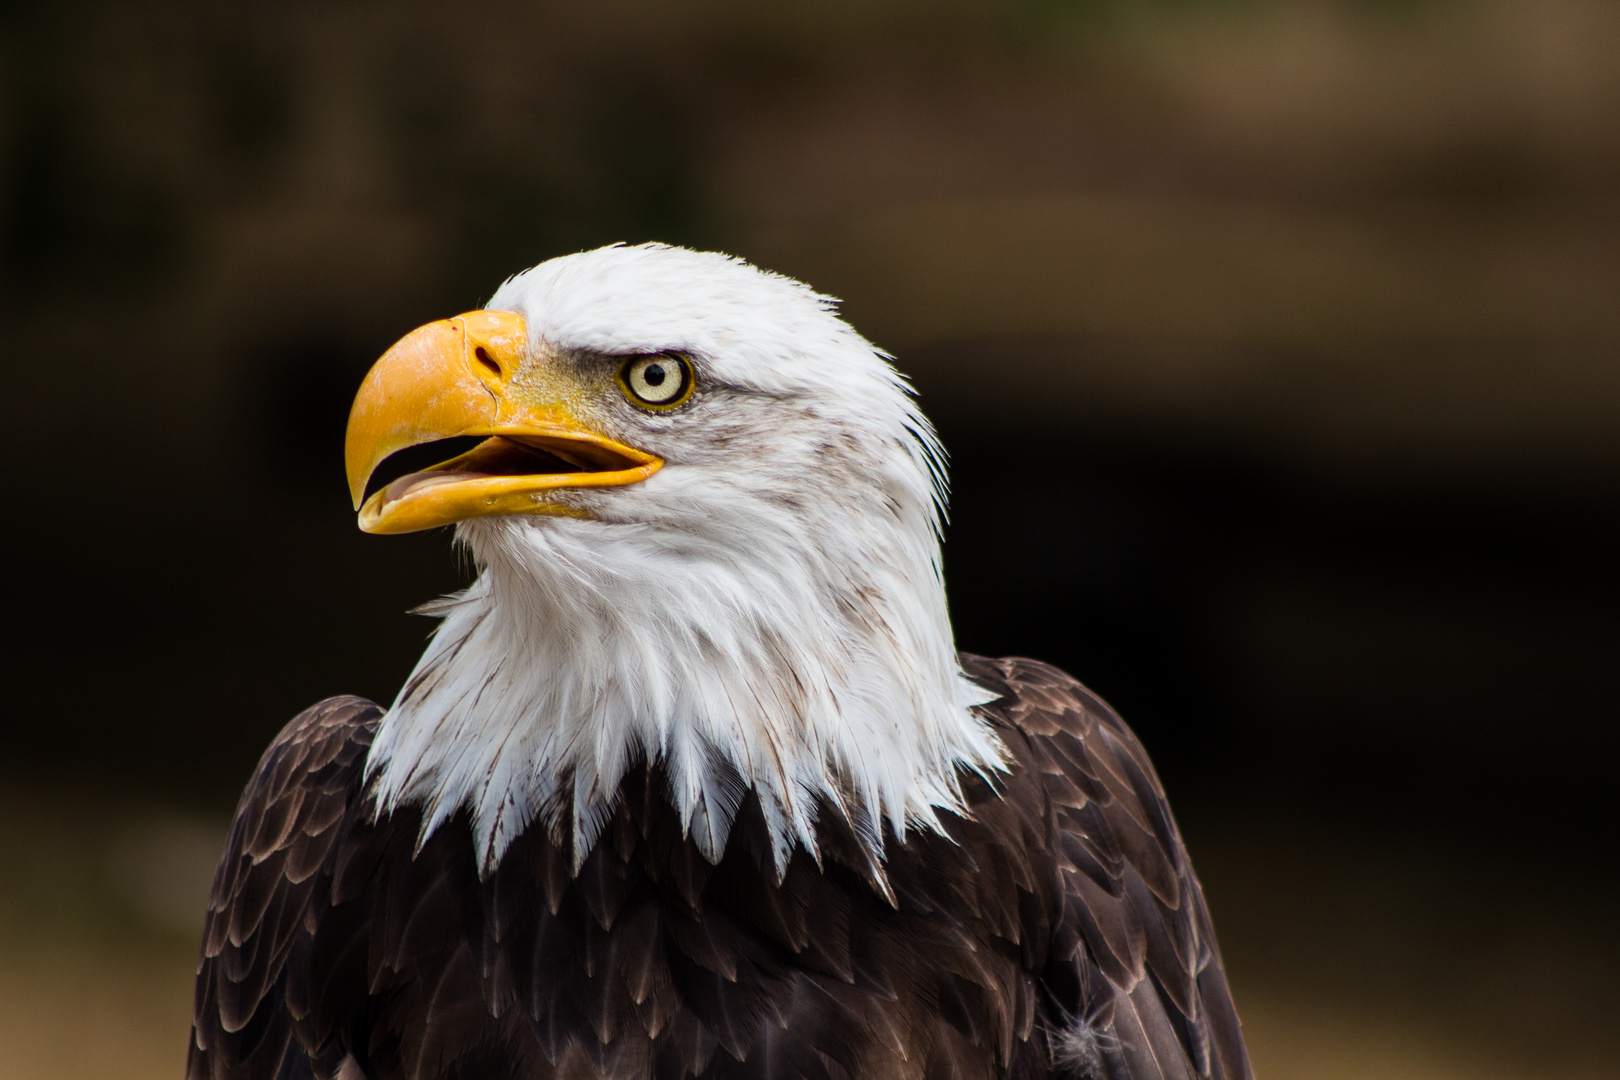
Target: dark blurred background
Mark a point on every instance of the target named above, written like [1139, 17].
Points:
[1276, 344]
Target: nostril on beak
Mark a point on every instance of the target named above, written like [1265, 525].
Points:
[481, 354]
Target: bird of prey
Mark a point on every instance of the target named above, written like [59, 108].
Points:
[691, 781]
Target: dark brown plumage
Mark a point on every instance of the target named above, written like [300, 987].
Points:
[1058, 931]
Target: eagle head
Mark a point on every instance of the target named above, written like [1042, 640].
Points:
[705, 515]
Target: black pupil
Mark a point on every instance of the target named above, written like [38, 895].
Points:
[654, 375]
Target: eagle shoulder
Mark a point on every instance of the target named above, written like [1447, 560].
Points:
[272, 882]
[1061, 916]
[1134, 977]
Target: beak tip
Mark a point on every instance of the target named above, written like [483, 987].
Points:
[368, 512]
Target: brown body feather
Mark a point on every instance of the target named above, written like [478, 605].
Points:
[1057, 931]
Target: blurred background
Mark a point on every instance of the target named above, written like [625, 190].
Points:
[1276, 344]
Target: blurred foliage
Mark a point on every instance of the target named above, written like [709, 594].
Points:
[609, 158]
[1274, 342]
[1190, 230]
[73, 215]
[248, 88]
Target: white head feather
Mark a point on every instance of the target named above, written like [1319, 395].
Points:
[765, 612]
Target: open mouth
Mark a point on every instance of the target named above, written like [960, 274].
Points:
[499, 474]
[474, 458]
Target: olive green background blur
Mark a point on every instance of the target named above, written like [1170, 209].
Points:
[1276, 343]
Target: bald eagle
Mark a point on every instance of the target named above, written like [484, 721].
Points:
[692, 781]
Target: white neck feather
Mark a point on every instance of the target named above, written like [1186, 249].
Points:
[770, 618]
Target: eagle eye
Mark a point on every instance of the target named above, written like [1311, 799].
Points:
[659, 381]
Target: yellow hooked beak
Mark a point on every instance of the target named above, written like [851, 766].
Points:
[470, 376]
